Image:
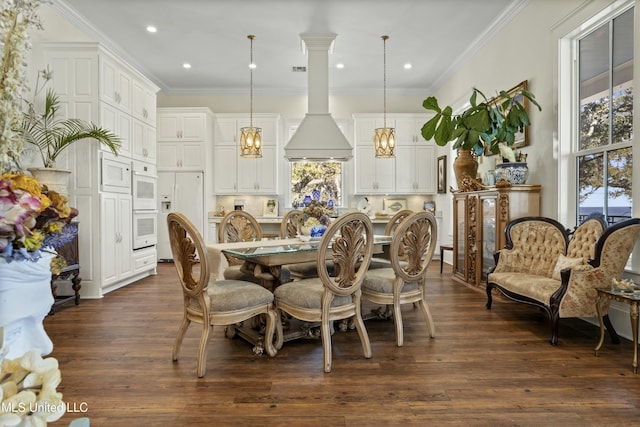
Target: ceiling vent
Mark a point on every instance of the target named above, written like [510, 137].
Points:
[318, 138]
[299, 69]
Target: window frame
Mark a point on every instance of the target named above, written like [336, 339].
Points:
[568, 114]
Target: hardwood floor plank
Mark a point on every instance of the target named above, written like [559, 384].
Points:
[484, 367]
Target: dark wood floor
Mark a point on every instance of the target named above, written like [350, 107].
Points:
[493, 368]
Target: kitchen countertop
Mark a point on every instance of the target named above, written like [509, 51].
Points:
[278, 219]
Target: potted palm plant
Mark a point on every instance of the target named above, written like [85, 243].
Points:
[52, 135]
[485, 125]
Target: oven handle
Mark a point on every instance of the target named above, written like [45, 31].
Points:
[145, 175]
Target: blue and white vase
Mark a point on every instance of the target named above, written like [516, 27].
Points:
[516, 173]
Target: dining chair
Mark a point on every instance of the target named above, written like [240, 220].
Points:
[348, 243]
[379, 261]
[240, 226]
[289, 227]
[412, 248]
[213, 303]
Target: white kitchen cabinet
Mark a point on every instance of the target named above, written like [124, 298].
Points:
[412, 171]
[144, 102]
[181, 155]
[185, 138]
[258, 175]
[234, 174]
[373, 175]
[181, 126]
[185, 144]
[144, 142]
[93, 85]
[117, 241]
[418, 171]
[116, 84]
[120, 123]
[225, 170]
[409, 129]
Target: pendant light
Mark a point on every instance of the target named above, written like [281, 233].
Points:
[384, 139]
[251, 137]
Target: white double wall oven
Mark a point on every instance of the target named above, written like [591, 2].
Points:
[141, 181]
[144, 188]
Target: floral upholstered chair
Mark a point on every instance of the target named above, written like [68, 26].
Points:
[404, 282]
[348, 243]
[540, 266]
[211, 303]
[611, 253]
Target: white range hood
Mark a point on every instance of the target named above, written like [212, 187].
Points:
[318, 137]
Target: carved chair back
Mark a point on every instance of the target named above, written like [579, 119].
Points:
[289, 226]
[413, 246]
[238, 226]
[191, 262]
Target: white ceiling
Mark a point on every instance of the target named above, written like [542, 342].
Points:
[433, 35]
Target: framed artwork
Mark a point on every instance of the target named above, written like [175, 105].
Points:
[391, 206]
[521, 138]
[442, 174]
[430, 206]
[270, 207]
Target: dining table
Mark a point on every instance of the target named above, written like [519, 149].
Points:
[265, 259]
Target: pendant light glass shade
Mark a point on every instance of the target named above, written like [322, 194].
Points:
[251, 137]
[384, 139]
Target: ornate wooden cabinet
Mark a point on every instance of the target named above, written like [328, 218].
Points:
[480, 218]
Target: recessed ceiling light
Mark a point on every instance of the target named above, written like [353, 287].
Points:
[340, 65]
[186, 65]
[152, 29]
[252, 66]
[407, 66]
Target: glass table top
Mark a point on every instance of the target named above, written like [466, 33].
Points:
[296, 247]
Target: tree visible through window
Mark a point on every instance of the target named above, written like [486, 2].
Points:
[604, 157]
[325, 177]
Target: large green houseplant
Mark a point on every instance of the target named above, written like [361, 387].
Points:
[487, 124]
[51, 135]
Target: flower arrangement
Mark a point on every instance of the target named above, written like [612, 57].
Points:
[32, 218]
[315, 213]
[16, 17]
[28, 393]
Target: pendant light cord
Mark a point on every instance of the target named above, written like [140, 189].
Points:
[251, 66]
[384, 41]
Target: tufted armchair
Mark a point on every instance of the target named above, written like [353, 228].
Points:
[540, 266]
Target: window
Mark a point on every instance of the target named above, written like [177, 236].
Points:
[325, 177]
[603, 156]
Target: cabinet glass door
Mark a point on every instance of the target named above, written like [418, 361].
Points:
[461, 243]
[488, 235]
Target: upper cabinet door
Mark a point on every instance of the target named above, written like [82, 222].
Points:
[115, 85]
[181, 127]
